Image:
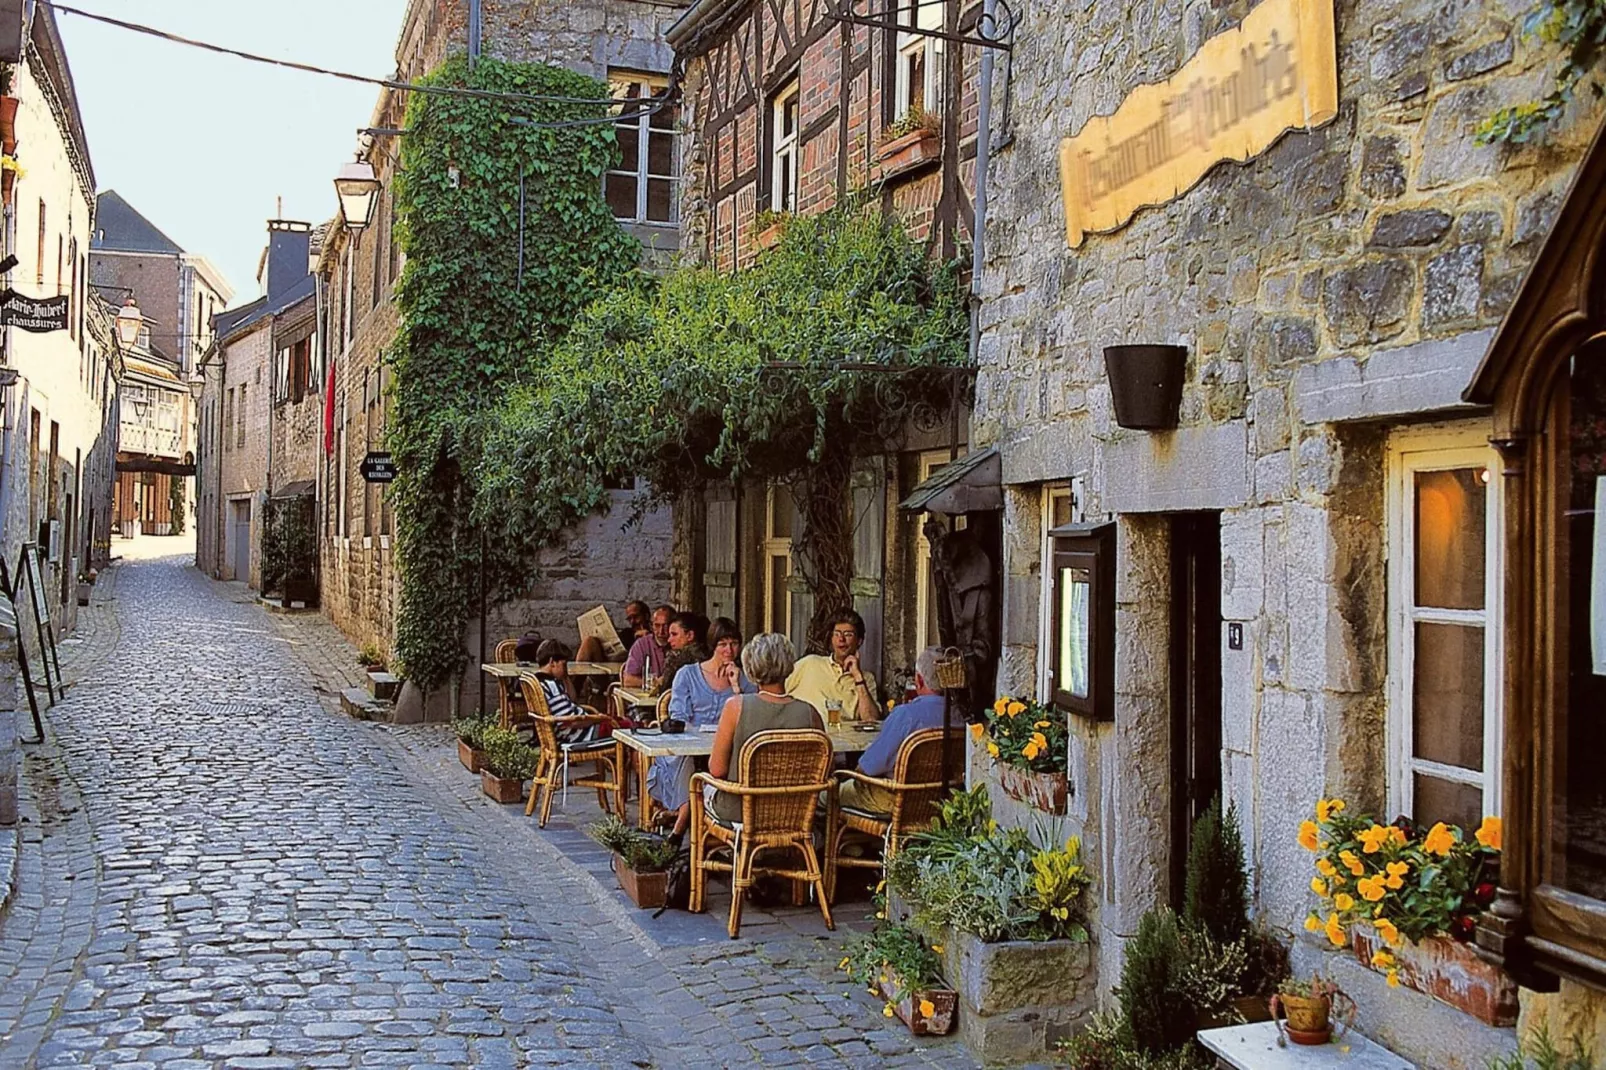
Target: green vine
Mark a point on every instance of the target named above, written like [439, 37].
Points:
[676, 380]
[1579, 26]
[470, 327]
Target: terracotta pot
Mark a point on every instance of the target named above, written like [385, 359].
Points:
[1146, 385]
[8, 182]
[473, 760]
[944, 1001]
[1449, 971]
[770, 236]
[502, 789]
[8, 122]
[907, 153]
[647, 890]
[1309, 1019]
[1041, 791]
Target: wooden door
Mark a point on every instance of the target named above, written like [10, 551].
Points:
[1195, 679]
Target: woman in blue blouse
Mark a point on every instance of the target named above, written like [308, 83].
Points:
[697, 694]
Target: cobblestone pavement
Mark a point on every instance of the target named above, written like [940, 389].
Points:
[219, 870]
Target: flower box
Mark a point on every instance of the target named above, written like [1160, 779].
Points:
[943, 1002]
[1449, 971]
[1041, 791]
[770, 236]
[907, 153]
[502, 789]
[646, 889]
[473, 760]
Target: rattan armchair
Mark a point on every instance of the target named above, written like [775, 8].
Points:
[917, 791]
[780, 775]
[552, 768]
[514, 712]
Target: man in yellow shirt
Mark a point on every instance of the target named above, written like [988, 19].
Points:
[818, 678]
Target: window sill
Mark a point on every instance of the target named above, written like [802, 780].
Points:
[908, 154]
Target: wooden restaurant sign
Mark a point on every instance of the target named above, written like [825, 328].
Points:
[1245, 88]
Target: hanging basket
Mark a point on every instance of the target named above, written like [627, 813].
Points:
[951, 669]
[1146, 385]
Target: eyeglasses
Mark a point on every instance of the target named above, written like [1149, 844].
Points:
[844, 633]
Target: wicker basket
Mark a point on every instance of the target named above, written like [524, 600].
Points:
[951, 669]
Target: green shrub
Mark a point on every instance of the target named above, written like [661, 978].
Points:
[897, 948]
[1217, 891]
[1537, 1051]
[642, 851]
[1153, 1003]
[506, 755]
[471, 730]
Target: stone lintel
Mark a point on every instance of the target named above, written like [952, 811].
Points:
[1190, 468]
[1421, 378]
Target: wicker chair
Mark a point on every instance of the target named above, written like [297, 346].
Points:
[514, 712]
[917, 790]
[552, 769]
[780, 775]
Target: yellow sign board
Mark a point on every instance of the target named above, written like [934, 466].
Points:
[1243, 89]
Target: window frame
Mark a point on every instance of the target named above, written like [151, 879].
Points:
[785, 146]
[1440, 449]
[926, 465]
[914, 14]
[1091, 547]
[1050, 494]
[620, 81]
[776, 547]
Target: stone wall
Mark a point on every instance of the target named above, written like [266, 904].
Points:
[1348, 277]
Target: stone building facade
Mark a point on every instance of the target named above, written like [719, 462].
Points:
[618, 42]
[1275, 635]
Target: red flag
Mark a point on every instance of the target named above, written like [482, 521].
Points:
[329, 412]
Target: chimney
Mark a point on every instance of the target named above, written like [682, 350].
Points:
[289, 245]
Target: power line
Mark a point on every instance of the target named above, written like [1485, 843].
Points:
[308, 68]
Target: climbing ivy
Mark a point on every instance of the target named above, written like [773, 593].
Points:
[470, 327]
[1579, 27]
[675, 380]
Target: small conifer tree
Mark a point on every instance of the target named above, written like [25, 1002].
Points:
[1154, 1010]
[1216, 897]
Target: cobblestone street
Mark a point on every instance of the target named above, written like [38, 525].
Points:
[219, 869]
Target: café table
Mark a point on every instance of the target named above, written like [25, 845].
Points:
[508, 673]
[649, 743]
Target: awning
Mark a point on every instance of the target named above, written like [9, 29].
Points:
[972, 484]
[301, 488]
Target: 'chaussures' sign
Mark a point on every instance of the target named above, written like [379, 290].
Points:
[33, 313]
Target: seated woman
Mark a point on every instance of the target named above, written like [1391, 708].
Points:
[768, 660]
[688, 644]
[697, 695]
[552, 660]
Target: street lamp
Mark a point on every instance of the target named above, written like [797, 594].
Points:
[358, 189]
[129, 322]
[197, 386]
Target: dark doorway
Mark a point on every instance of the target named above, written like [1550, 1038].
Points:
[1195, 679]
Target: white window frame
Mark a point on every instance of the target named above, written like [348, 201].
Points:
[619, 82]
[784, 147]
[1436, 449]
[929, 463]
[776, 547]
[924, 15]
[1051, 494]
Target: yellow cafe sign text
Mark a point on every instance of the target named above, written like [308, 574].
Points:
[1245, 88]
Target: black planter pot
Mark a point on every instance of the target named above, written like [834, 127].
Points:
[1146, 385]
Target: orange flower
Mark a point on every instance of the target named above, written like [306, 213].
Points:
[927, 1008]
[1352, 862]
[1344, 901]
[1373, 839]
[1439, 840]
[1324, 809]
[1382, 960]
[1325, 868]
[1318, 886]
[1397, 836]
[1385, 929]
[976, 730]
[1312, 923]
[1371, 888]
[1397, 872]
[1489, 833]
[1394, 978]
[1335, 931]
[1307, 835]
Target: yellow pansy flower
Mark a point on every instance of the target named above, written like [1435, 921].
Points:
[1030, 751]
[1373, 839]
[1015, 709]
[1394, 978]
[927, 1008]
[886, 1012]
[1396, 874]
[1040, 724]
[1488, 833]
[977, 729]
[1318, 886]
[992, 749]
[998, 707]
[1397, 836]
[1352, 862]
[842, 965]
[1335, 931]
[1382, 960]
[1307, 835]
[1371, 888]
[1385, 929]
[937, 948]
[1439, 840]
[1325, 868]
[1324, 810]
[1343, 901]
[1312, 923]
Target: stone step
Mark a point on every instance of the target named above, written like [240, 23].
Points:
[362, 706]
[383, 686]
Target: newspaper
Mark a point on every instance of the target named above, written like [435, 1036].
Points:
[594, 623]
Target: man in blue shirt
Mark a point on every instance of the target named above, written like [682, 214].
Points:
[922, 712]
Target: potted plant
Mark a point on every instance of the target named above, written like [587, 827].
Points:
[1031, 744]
[898, 966]
[86, 583]
[1307, 1008]
[471, 741]
[640, 860]
[8, 116]
[908, 142]
[1146, 384]
[1405, 900]
[10, 171]
[371, 657]
[771, 225]
[508, 763]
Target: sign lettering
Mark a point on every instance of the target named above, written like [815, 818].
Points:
[1245, 88]
[37, 314]
[378, 468]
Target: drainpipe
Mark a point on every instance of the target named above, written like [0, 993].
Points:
[984, 146]
[473, 33]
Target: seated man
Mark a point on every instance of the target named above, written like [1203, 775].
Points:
[647, 654]
[818, 679]
[636, 625]
[921, 712]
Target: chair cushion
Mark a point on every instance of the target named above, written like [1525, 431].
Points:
[866, 815]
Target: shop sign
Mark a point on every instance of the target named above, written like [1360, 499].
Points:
[1276, 71]
[38, 314]
[378, 468]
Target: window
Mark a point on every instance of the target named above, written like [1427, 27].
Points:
[784, 156]
[239, 441]
[1444, 656]
[301, 369]
[228, 421]
[72, 299]
[1059, 509]
[778, 509]
[918, 81]
[1082, 652]
[926, 631]
[642, 188]
[281, 375]
[61, 251]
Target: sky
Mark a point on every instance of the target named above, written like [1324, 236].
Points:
[203, 144]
